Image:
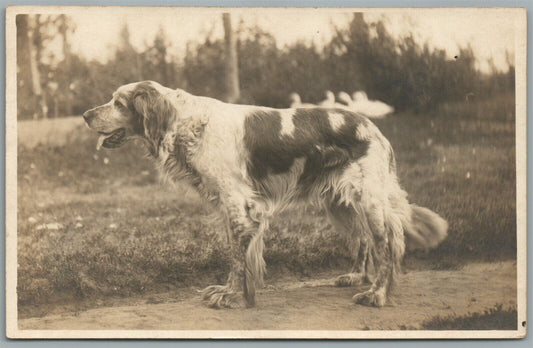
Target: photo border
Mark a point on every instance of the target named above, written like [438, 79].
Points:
[11, 217]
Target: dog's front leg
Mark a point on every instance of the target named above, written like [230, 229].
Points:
[245, 247]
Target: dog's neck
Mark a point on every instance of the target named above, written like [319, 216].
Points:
[180, 144]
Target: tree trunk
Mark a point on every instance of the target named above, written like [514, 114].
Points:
[231, 63]
[25, 93]
[35, 55]
[63, 30]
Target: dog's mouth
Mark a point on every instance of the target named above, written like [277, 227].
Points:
[112, 139]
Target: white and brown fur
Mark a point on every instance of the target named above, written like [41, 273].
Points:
[254, 161]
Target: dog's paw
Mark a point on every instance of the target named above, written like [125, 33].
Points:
[350, 279]
[370, 298]
[221, 296]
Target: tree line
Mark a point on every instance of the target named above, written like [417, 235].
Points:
[247, 66]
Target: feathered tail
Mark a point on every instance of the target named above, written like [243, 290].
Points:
[426, 229]
[411, 227]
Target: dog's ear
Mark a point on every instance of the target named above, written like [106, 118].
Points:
[155, 114]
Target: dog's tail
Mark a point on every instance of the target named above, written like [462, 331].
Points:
[425, 230]
[422, 228]
[411, 227]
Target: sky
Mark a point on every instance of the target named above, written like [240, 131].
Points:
[491, 34]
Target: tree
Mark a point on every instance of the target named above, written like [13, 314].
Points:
[127, 60]
[157, 64]
[65, 27]
[37, 43]
[203, 69]
[43, 80]
[26, 101]
[31, 100]
[231, 63]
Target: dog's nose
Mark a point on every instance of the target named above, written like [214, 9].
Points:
[87, 115]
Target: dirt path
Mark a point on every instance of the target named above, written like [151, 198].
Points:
[419, 295]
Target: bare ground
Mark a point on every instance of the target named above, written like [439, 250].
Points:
[309, 305]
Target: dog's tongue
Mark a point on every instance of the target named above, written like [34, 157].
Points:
[111, 140]
[100, 141]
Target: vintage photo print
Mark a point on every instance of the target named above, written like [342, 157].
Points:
[181, 172]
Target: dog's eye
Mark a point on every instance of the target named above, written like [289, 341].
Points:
[118, 104]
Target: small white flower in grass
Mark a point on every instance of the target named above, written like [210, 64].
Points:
[468, 175]
[54, 226]
[145, 173]
[49, 226]
[442, 169]
[444, 159]
[79, 218]
[60, 174]
[106, 160]
[95, 157]
[78, 225]
[473, 151]
[113, 226]
[32, 220]
[32, 166]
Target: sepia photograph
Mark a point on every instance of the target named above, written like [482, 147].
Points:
[211, 172]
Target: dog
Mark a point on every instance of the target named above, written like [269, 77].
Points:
[254, 161]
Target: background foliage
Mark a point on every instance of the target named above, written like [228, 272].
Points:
[402, 72]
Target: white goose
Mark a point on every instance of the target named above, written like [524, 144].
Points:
[345, 98]
[296, 102]
[369, 108]
[329, 101]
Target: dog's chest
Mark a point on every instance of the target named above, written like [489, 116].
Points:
[175, 167]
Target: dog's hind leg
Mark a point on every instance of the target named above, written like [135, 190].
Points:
[350, 221]
[387, 250]
[377, 294]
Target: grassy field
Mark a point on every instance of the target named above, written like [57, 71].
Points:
[495, 318]
[98, 224]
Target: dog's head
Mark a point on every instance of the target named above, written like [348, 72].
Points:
[140, 109]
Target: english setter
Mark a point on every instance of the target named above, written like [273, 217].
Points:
[252, 161]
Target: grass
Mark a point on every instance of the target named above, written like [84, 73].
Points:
[120, 233]
[460, 162]
[495, 318]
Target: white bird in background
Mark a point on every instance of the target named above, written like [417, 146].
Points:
[359, 103]
[369, 108]
[345, 98]
[296, 102]
[329, 101]
[359, 96]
